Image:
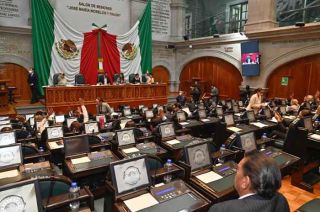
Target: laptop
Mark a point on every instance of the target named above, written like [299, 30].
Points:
[55, 137]
[11, 159]
[7, 138]
[229, 120]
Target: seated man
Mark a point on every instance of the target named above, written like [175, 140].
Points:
[136, 79]
[62, 80]
[257, 181]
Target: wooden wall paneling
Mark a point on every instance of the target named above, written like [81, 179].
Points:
[161, 74]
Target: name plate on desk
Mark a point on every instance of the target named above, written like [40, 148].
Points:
[85, 159]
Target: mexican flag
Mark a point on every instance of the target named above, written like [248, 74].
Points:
[58, 47]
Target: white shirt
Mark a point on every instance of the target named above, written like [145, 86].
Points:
[247, 195]
[255, 100]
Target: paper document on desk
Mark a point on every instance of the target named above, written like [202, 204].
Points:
[234, 129]
[54, 145]
[237, 114]
[205, 120]
[183, 123]
[315, 136]
[172, 142]
[289, 117]
[273, 120]
[130, 150]
[209, 177]
[258, 124]
[8, 174]
[141, 202]
[85, 159]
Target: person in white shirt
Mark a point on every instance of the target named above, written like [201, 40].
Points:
[255, 100]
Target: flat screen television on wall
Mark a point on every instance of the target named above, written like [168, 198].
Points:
[250, 58]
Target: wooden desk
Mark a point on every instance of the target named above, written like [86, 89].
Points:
[62, 98]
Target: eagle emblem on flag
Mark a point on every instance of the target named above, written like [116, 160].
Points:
[67, 49]
[129, 51]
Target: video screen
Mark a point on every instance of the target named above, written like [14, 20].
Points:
[202, 114]
[283, 109]
[126, 112]
[250, 116]
[140, 107]
[7, 138]
[219, 111]
[91, 127]
[267, 113]
[54, 132]
[129, 175]
[76, 145]
[240, 104]
[236, 109]
[229, 120]
[229, 105]
[248, 142]
[144, 109]
[98, 117]
[250, 58]
[59, 118]
[28, 116]
[21, 197]
[308, 123]
[181, 116]
[149, 114]
[10, 155]
[3, 118]
[31, 121]
[70, 120]
[5, 125]
[166, 130]
[5, 122]
[198, 156]
[125, 137]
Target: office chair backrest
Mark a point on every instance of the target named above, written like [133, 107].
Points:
[59, 185]
[116, 77]
[144, 79]
[296, 142]
[153, 162]
[220, 134]
[79, 79]
[55, 79]
[100, 78]
[131, 78]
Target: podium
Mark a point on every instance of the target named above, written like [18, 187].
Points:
[3, 93]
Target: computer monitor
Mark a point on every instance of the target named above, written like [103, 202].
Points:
[76, 145]
[229, 120]
[59, 118]
[54, 132]
[130, 175]
[197, 156]
[101, 116]
[214, 104]
[125, 136]
[267, 113]
[31, 121]
[202, 114]
[223, 102]
[21, 196]
[283, 109]
[166, 130]
[140, 107]
[28, 116]
[181, 116]
[70, 120]
[3, 118]
[160, 108]
[7, 121]
[154, 106]
[236, 108]
[308, 123]
[144, 109]
[229, 105]
[126, 112]
[248, 142]
[240, 103]
[219, 111]
[250, 115]
[149, 114]
[5, 125]
[91, 127]
[7, 138]
[10, 156]
[201, 107]
[46, 124]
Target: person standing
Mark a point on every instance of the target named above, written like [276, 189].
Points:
[255, 100]
[33, 82]
[214, 93]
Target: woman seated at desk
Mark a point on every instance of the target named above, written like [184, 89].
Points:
[62, 80]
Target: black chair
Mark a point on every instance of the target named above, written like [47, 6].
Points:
[79, 79]
[131, 78]
[55, 79]
[311, 206]
[144, 79]
[53, 186]
[100, 78]
[220, 135]
[116, 77]
[296, 142]
[154, 162]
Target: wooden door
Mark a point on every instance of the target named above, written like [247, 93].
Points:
[161, 74]
[18, 77]
[211, 71]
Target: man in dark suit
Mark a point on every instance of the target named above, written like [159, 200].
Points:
[181, 99]
[33, 81]
[257, 181]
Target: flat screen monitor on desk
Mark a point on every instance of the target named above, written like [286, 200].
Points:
[54, 132]
[76, 145]
[70, 120]
[219, 111]
[229, 120]
[166, 130]
[126, 112]
[197, 156]
[267, 113]
[5, 125]
[28, 116]
[202, 114]
[236, 109]
[240, 103]
[308, 123]
[149, 114]
[130, 175]
[21, 196]
[125, 136]
[283, 109]
[248, 142]
[7, 121]
[7, 138]
[250, 115]
[59, 118]
[91, 127]
[181, 116]
[10, 155]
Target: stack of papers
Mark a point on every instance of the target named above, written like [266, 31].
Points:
[273, 120]
[315, 136]
[85, 159]
[234, 129]
[258, 124]
[172, 142]
[141, 202]
[183, 123]
[209, 177]
[130, 150]
[205, 120]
